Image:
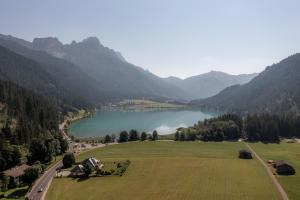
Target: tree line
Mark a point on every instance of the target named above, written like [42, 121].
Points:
[133, 135]
[256, 127]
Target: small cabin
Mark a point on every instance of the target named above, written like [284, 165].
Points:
[245, 154]
[283, 168]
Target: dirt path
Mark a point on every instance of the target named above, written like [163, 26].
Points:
[270, 173]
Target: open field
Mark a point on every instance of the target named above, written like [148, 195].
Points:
[172, 170]
[284, 151]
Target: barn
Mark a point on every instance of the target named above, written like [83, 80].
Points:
[283, 168]
[245, 154]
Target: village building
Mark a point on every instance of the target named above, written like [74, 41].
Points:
[16, 173]
[93, 163]
[283, 168]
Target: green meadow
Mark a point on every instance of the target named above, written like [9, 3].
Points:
[171, 170]
[289, 152]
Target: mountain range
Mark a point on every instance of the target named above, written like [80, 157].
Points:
[107, 69]
[86, 73]
[275, 90]
[208, 84]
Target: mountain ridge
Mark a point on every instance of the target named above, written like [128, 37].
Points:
[108, 68]
[274, 90]
[115, 78]
[210, 83]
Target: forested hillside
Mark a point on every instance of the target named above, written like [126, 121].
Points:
[114, 78]
[23, 117]
[275, 90]
[62, 82]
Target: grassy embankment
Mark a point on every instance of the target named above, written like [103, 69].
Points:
[172, 170]
[289, 152]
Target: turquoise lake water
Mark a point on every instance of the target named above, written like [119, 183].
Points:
[113, 122]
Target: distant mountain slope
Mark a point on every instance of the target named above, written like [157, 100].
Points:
[115, 77]
[276, 90]
[57, 79]
[209, 84]
[109, 68]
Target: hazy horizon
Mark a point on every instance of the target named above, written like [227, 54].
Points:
[169, 38]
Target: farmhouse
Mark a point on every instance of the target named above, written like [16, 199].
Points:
[245, 154]
[283, 168]
[93, 163]
[16, 173]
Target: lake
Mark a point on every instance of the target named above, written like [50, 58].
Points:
[113, 122]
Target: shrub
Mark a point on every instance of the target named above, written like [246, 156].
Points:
[121, 168]
[112, 171]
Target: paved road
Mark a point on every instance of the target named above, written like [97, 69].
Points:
[270, 173]
[47, 177]
[43, 182]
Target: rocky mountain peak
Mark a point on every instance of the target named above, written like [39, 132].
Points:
[49, 44]
[92, 42]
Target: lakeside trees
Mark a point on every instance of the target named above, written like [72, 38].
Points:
[154, 135]
[107, 139]
[123, 136]
[133, 135]
[143, 136]
[256, 127]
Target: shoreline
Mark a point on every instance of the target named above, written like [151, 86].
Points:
[68, 120]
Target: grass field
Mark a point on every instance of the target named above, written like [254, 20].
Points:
[284, 151]
[172, 170]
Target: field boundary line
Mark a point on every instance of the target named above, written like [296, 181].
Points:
[270, 173]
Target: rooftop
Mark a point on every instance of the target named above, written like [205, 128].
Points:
[16, 171]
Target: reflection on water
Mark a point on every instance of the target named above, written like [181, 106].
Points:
[165, 129]
[108, 122]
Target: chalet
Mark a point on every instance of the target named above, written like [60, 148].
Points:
[93, 163]
[283, 168]
[16, 173]
[245, 154]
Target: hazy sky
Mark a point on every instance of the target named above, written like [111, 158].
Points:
[168, 37]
